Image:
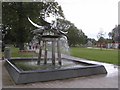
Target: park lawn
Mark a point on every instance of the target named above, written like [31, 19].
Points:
[16, 53]
[107, 56]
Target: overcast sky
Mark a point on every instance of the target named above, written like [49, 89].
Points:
[91, 16]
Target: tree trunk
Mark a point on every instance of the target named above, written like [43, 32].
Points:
[20, 31]
[21, 46]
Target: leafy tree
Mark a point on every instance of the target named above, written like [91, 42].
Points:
[92, 40]
[73, 36]
[101, 39]
[16, 23]
[82, 37]
[116, 33]
[76, 36]
[110, 35]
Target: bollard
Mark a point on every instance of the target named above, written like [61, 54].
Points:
[7, 53]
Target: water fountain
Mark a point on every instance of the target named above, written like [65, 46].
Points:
[50, 65]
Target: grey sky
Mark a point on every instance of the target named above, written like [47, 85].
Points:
[91, 16]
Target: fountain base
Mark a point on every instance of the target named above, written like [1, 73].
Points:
[71, 69]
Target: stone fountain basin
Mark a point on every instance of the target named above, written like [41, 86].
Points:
[74, 68]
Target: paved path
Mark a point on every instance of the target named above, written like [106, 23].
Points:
[97, 81]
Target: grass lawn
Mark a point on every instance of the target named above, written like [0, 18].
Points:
[108, 56]
[16, 53]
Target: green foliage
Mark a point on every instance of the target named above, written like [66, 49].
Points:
[15, 20]
[76, 36]
[101, 40]
[116, 33]
[108, 56]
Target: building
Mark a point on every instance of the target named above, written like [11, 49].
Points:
[116, 37]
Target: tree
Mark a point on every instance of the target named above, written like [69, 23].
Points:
[110, 40]
[92, 40]
[73, 36]
[116, 33]
[76, 36]
[100, 37]
[82, 37]
[110, 35]
[16, 23]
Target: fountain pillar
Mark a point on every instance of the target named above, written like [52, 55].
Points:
[53, 51]
[40, 52]
[58, 51]
[45, 57]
